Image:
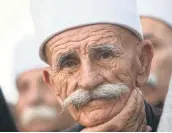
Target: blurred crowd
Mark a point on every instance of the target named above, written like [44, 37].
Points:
[93, 65]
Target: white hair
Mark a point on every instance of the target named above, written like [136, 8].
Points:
[37, 112]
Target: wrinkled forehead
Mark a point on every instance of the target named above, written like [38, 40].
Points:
[90, 35]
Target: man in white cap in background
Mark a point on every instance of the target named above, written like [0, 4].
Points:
[37, 108]
[98, 61]
[156, 20]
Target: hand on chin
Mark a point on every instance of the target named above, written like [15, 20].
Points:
[99, 111]
[130, 118]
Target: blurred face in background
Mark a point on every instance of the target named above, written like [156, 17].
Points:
[160, 34]
[37, 107]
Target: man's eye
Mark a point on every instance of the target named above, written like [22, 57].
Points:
[106, 55]
[69, 63]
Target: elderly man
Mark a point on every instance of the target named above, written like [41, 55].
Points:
[37, 107]
[156, 19]
[98, 61]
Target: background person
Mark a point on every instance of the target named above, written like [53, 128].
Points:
[37, 108]
[156, 20]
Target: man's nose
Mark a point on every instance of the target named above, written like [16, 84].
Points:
[89, 76]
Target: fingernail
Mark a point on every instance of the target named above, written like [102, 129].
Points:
[140, 92]
[148, 129]
[135, 91]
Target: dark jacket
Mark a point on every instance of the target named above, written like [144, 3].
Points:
[6, 121]
[152, 116]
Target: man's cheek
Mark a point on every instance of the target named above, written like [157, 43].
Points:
[60, 87]
[121, 74]
[108, 70]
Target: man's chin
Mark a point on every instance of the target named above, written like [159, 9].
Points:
[97, 112]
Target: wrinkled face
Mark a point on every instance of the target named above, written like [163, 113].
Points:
[37, 107]
[92, 57]
[160, 35]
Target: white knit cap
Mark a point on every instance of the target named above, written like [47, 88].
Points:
[55, 16]
[159, 9]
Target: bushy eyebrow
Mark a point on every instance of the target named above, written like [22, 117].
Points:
[95, 50]
[147, 36]
[155, 41]
[92, 49]
[65, 56]
[103, 47]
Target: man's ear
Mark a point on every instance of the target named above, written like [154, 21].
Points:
[145, 54]
[46, 75]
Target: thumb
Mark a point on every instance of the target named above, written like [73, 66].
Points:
[148, 129]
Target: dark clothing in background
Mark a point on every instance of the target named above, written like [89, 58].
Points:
[152, 116]
[6, 121]
[160, 105]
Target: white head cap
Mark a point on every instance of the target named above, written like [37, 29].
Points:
[159, 9]
[55, 16]
[25, 56]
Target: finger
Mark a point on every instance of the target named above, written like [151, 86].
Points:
[140, 103]
[143, 124]
[141, 121]
[124, 117]
[135, 124]
[130, 108]
[137, 118]
[118, 121]
[101, 128]
[148, 129]
[140, 106]
[144, 127]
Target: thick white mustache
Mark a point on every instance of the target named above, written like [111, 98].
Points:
[38, 112]
[81, 96]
